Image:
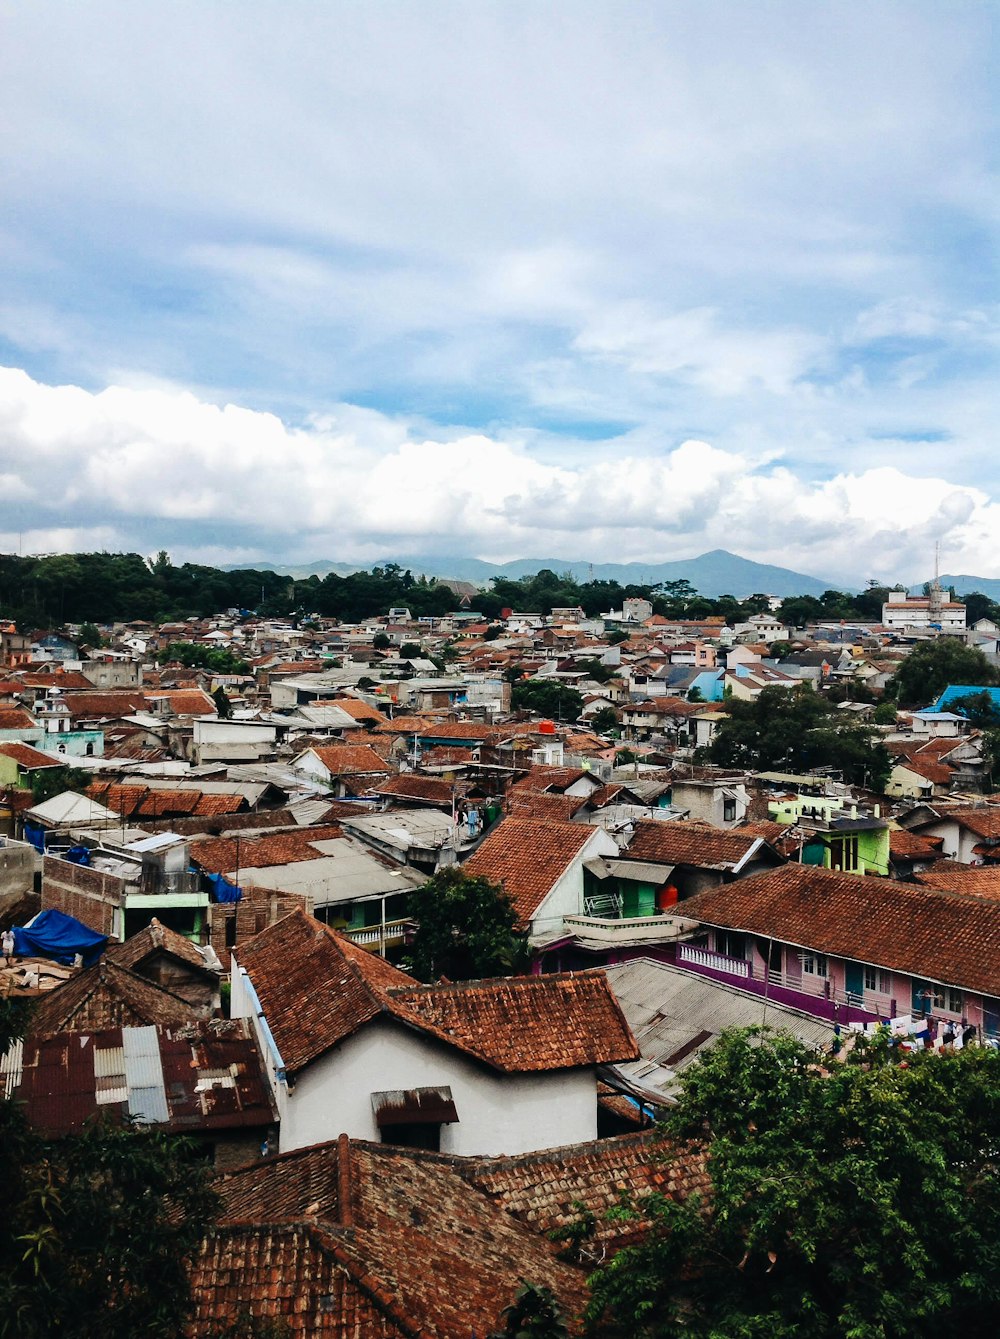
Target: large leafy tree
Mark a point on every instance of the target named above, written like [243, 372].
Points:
[465, 929]
[547, 697]
[932, 666]
[97, 1229]
[797, 730]
[848, 1201]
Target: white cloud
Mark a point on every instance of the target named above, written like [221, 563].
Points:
[162, 468]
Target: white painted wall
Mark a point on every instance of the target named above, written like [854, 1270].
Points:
[566, 896]
[498, 1113]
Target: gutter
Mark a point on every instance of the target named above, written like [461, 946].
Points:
[258, 1013]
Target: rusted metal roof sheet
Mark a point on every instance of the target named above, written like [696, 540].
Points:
[407, 1106]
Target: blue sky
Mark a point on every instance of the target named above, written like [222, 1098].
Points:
[605, 281]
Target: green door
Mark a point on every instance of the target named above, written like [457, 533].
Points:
[854, 981]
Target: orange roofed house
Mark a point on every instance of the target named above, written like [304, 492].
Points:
[353, 1045]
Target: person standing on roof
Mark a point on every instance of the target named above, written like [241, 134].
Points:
[7, 946]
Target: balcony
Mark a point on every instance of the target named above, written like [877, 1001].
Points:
[626, 930]
[377, 938]
[715, 962]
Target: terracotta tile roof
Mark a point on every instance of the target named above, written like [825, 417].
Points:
[410, 786]
[16, 718]
[103, 704]
[153, 939]
[410, 725]
[557, 779]
[977, 880]
[365, 1240]
[442, 754]
[528, 856]
[317, 987]
[699, 844]
[906, 845]
[222, 855]
[186, 701]
[361, 711]
[350, 759]
[935, 772]
[59, 678]
[29, 757]
[107, 995]
[545, 1190]
[542, 804]
[916, 930]
[522, 1024]
[137, 801]
[984, 822]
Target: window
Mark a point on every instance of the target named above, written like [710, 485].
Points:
[929, 996]
[844, 854]
[814, 964]
[729, 809]
[877, 980]
[731, 943]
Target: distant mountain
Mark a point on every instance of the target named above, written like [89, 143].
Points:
[988, 586]
[712, 574]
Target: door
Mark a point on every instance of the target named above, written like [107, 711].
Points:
[854, 982]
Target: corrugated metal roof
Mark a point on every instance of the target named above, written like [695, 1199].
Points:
[147, 1098]
[639, 871]
[404, 1106]
[675, 1013]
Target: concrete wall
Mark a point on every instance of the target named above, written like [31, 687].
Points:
[498, 1114]
[566, 896]
[19, 864]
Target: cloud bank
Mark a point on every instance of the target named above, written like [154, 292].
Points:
[146, 468]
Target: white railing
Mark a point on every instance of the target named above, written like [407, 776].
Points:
[660, 928]
[379, 937]
[718, 962]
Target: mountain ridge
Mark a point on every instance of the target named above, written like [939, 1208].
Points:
[714, 573]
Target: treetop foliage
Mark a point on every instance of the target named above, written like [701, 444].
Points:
[106, 587]
[932, 666]
[466, 929]
[849, 1200]
[798, 731]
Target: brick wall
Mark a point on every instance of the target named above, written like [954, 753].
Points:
[87, 894]
[259, 908]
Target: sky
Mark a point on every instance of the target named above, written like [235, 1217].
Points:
[282, 282]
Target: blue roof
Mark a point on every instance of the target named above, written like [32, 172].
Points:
[710, 684]
[957, 690]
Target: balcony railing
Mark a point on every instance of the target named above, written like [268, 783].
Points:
[378, 938]
[716, 962]
[655, 929]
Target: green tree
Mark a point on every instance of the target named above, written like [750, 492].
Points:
[381, 642]
[547, 697]
[617, 636]
[97, 1230]
[410, 651]
[534, 1314]
[932, 666]
[604, 720]
[847, 1201]
[222, 704]
[884, 714]
[54, 780]
[465, 928]
[90, 636]
[978, 605]
[782, 730]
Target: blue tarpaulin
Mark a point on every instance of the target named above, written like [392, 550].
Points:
[223, 890]
[54, 935]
